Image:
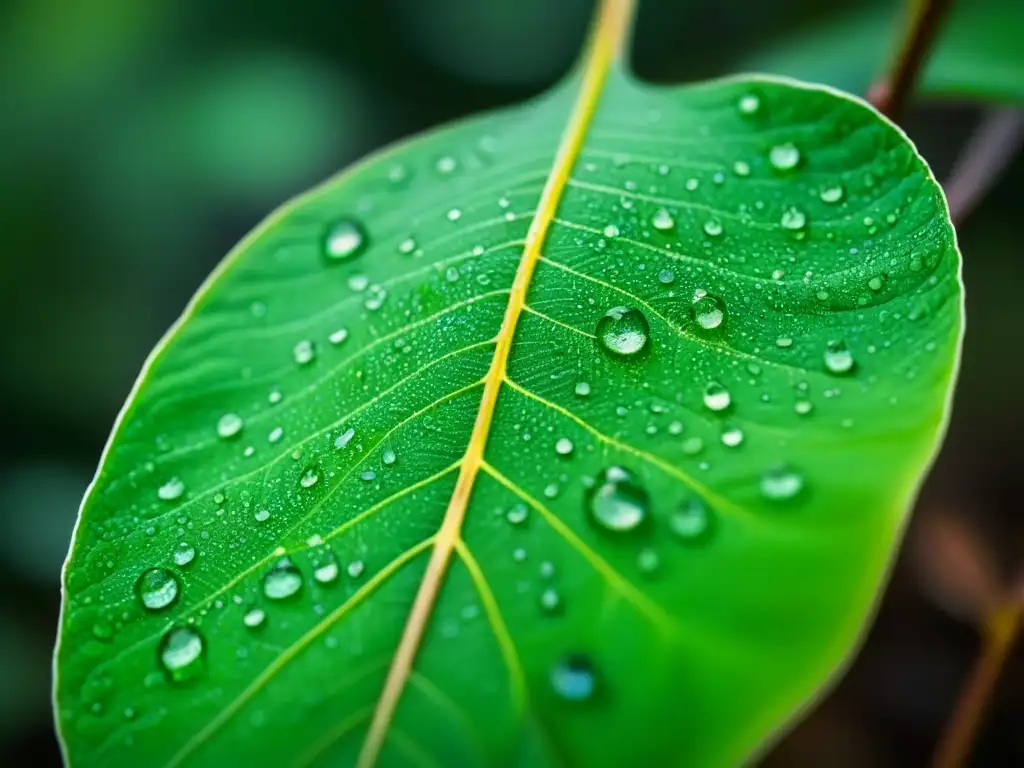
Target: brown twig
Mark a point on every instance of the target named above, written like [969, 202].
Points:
[990, 149]
[1001, 632]
[890, 95]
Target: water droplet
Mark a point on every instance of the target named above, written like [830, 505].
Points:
[833, 194]
[309, 478]
[282, 581]
[229, 425]
[708, 312]
[693, 445]
[344, 438]
[582, 389]
[713, 227]
[304, 352]
[781, 483]
[274, 397]
[550, 601]
[749, 104]
[184, 554]
[157, 588]
[611, 231]
[517, 515]
[171, 490]
[803, 407]
[181, 653]
[275, 435]
[574, 678]
[793, 219]
[666, 277]
[741, 168]
[327, 572]
[262, 515]
[784, 157]
[254, 618]
[616, 502]
[784, 342]
[838, 357]
[103, 630]
[446, 164]
[338, 336]
[691, 521]
[648, 561]
[407, 246]
[345, 240]
[623, 331]
[355, 568]
[876, 283]
[716, 396]
[388, 456]
[732, 437]
[662, 220]
[564, 446]
[454, 214]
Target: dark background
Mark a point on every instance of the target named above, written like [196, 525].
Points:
[140, 139]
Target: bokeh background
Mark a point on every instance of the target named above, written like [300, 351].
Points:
[140, 139]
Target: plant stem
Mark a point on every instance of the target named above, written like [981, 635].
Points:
[891, 94]
[990, 149]
[1001, 632]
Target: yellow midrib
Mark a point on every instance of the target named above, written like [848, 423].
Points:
[608, 37]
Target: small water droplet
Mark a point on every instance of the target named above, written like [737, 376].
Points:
[582, 389]
[181, 653]
[713, 227]
[345, 240]
[446, 164]
[803, 407]
[550, 601]
[662, 220]
[262, 515]
[327, 572]
[355, 568]
[229, 425]
[407, 246]
[184, 553]
[388, 457]
[741, 168]
[784, 157]
[157, 588]
[171, 490]
[275, 435]
[666, 277]
[574, 678]
[708, 312]
[784, 342]
[716, 396]
[876, 283]
[564, 446]
[691, 521]
[648, 561]
[282, 581]
[338, 336]
[693, 445]
[793, 219]
[254, 618]
[732, 437]
[623, 331]
[454, 214]
[617, 502]
[304, 352]
[781, 483]
[838, 357]
[749, 104]
[833, 194]
[517, 515]
[309, 478]
[344, 438]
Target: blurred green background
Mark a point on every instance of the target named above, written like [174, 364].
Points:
[140, 139]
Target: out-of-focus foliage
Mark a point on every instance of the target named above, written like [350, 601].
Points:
[979, 55]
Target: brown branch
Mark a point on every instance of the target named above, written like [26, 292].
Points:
[1001, 632]
[989, 150]
[890, 95]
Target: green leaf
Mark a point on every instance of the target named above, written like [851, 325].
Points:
[977, 55]
[579, 433]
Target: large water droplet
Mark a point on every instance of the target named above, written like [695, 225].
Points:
[691, 521]
[793, 219]
[716, 396]
[784, 157]
[157, 588]
[229, 425]
[181, 653]
[616, 502]
[574, 678]
[345, 240]
[623, 331]
[708, 312]
[662, 220]
[171, 490]
[838, 357]
[282, 581]
[781, 483]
